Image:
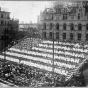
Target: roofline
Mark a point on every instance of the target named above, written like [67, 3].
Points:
[5, 12]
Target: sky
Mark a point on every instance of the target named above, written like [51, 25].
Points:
[25, 11]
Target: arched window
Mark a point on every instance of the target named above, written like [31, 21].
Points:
[71, 26]
[79, 27]
[51, 25]
[64, 26]
[57, 26]
[86, 26]
[44, 25]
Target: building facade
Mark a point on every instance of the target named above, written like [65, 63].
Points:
[67, 23]
[4, 26]
[14, 24]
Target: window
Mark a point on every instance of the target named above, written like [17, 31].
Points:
[52, 17]
[78, 16]
[71, 26]
[44, 34]
[44, 25]
[80, 10]
[64, 36]
[79, 27]
[71, 36]
[2, 22]
[51, 35]
[87, 37]
[57, 35]
[2, 37]
[51, 25]
[57, 26]
[86, 26]
[64, 26]
[79, 36]
[9, 23]
[5, 22]
[86, 9]
[1, 15]
[64, 16]
[8, 16]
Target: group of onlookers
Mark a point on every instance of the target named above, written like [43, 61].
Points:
[67, 57]
[23, 75]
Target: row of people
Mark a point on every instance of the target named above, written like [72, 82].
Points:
[64, 47]
[59, 64]
[65, 43]
[50, 62]
[41, 59]
[58, 52]
[49, 68]
[46, 55]
[27, 43]
[62, 50]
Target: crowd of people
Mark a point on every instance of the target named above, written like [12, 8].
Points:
[37, 54]
[65, 60]
[24, 75]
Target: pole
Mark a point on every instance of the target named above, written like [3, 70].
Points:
[53, 58]
[20, 50]
[4, 47]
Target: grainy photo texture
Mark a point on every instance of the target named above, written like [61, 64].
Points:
[44, 43]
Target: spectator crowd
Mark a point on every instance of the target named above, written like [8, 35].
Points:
[35, 67]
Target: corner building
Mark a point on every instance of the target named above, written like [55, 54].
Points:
[68, 23]
[4, 27]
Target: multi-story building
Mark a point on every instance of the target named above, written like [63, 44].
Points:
[4, 26]
[67, 23]
[14, 24]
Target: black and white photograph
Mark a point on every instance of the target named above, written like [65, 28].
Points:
[44, 43]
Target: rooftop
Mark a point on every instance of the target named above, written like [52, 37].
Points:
[4, 10]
